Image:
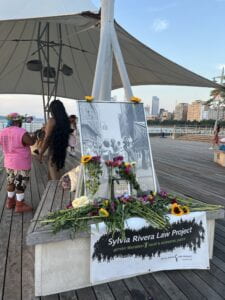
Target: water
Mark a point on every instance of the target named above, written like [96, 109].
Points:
[30, 127]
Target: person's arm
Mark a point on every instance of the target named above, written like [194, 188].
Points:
[28, 140]
[48, 133]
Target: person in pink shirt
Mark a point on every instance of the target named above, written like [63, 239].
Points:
[15, 143]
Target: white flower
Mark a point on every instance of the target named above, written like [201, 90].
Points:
[81, 201]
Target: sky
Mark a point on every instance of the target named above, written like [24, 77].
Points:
[188, 32]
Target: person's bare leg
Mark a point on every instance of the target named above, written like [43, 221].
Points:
[21, 183]
[53, 173]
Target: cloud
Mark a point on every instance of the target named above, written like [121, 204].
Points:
[165, 7]
[221, 66]
[160, 25]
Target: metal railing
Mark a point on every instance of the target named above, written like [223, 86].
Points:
[30, 127]
[187, 130]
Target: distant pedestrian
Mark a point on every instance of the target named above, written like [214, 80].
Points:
[72, 138]
[40, 135]
[16, 142]
[162, 134]
[56, 139]
[215, 141]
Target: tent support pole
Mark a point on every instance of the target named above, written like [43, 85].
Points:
[108, 45]
[102, 83]
[121, 65]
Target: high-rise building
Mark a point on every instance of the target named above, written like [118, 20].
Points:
[195, 111]
[180, 113]
[213, 114]
[161, 111]
[166, 115]
[147, 110]
[155, 106]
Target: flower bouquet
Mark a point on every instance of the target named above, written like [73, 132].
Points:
[115, 210]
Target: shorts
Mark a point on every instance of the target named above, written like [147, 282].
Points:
[19, 178]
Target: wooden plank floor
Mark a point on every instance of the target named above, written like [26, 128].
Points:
[182, 166]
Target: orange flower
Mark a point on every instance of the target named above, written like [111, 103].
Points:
[186, 210]
[103, 212]
[89, 98]
[135, 99]
[176, 210]
[85, 159]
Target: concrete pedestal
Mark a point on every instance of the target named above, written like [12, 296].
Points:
[65, 265]
[219, 157]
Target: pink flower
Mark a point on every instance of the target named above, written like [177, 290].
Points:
[174, 201]
[14, 115]
[69, 205]
[96, 158]
[120, 158]
[109, 163]
[163, 193]
[127, 170]
[112, 206]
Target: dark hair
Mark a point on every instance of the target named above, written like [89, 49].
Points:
[17, 123]
[60, 135]
[73, 116]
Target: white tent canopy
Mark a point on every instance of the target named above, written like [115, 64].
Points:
[80, 37]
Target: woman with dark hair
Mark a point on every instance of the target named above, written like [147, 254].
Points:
[56, 139]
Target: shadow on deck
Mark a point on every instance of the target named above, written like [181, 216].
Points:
[181, 166]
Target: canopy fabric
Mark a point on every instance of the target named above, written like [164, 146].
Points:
[80, 34]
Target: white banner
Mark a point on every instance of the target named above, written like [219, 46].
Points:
[145, 249]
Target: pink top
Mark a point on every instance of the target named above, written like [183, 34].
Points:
[16, 155]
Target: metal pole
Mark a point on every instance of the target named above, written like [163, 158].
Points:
[121, 65]
[48, 73]
[103, 73]
[109, 44]
[39, 56]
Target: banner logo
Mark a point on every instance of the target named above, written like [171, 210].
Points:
[150, 242]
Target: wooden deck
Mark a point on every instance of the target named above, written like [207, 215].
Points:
[182, 166]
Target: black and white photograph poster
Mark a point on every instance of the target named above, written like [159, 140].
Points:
[184, 245]
[110, 129]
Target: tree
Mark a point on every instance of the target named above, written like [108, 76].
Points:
[217, 101]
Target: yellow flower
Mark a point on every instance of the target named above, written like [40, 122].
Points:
[186, 209]
[127, 164]
[103, 212]
[133, 163]
[106, 202]
[89, 98]
[176, 210]
[81, 201]
[86, 158]
[135, 99]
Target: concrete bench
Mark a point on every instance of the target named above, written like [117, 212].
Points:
[219, 157]
[62, 263]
